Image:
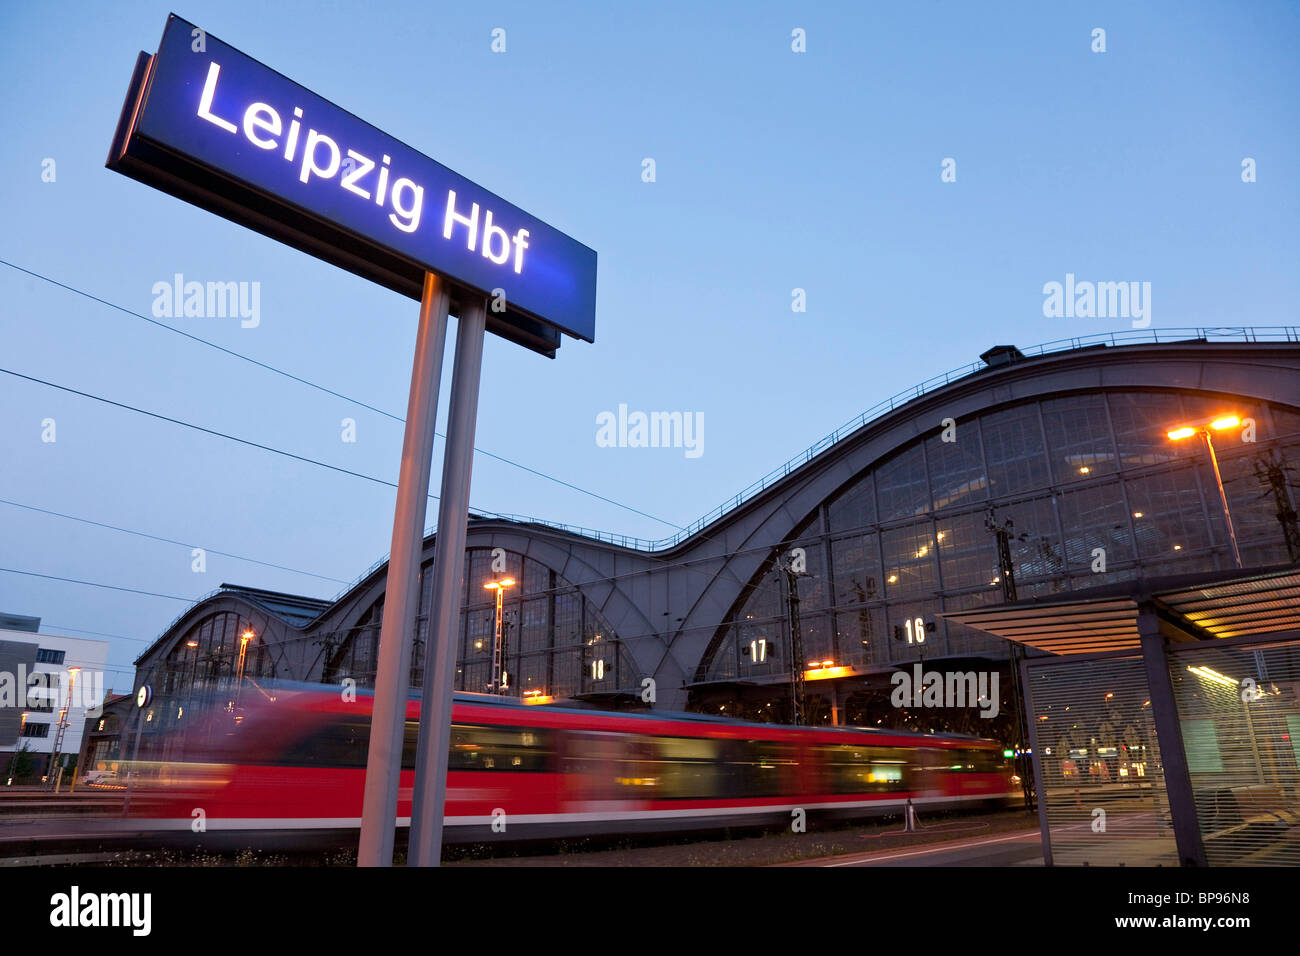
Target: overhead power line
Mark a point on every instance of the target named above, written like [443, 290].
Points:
[207, 431]
[96, 584]
[219, 434]
[322, 388]
[82, 630]
[183, 544]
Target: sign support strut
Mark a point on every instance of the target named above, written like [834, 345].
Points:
[430, 794]
[402, 593]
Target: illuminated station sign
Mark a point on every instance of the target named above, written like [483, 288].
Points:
[214, 127]
[210, 125]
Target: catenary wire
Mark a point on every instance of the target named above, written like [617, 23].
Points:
[183, 544]
[322, 388]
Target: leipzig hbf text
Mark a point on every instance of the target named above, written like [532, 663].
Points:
[322, 158]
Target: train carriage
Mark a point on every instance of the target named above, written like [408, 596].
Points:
[292, 761]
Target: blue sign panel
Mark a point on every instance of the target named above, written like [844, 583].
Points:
[216, 127]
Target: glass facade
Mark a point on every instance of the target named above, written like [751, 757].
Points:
[202, 667]
[557, 643]
[1094, 491]
[206, 658]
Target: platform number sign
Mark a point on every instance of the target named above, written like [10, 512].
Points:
[913, 630]
[757, 651]
[598, 669]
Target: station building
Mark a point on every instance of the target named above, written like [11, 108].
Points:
[1028, 474]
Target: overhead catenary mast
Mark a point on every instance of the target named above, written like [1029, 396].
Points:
[791, 566]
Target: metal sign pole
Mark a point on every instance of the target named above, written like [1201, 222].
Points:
[430, 794]
[401, 592]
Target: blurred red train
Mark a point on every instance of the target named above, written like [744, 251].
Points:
[294, 760]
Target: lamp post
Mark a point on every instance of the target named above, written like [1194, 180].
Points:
[500, 679]
[1203, 429]
[244, 638]
[191, 686]
[18, 745]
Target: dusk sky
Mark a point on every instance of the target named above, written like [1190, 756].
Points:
[775, 170]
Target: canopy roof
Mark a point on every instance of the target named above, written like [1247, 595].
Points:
[1207, 606]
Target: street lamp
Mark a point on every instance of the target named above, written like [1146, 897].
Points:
[18, 745]
[62, 726]
[500, 679]
[1203, 429]
[244, 638]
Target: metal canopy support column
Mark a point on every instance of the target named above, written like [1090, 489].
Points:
[1169, 736]
[401, 591]
[1036, 764]
[430, 794]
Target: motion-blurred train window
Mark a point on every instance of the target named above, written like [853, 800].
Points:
[761, 768]
[975, 761]
[686, 768]
[339, 743]
[221, 737]
[482, 747]
[597, 764]
[346, 743]
[608, 765]
[961, 760]
[845, 768]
